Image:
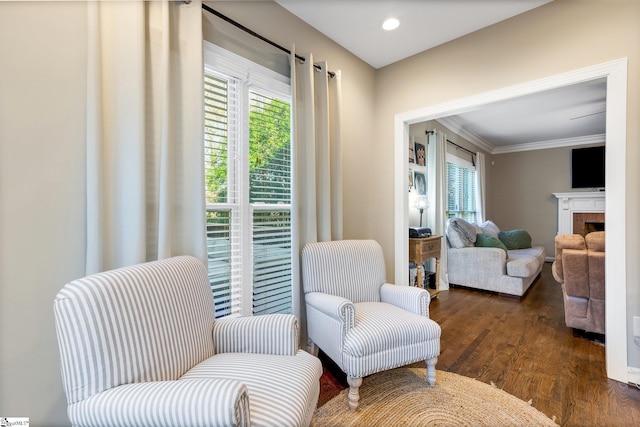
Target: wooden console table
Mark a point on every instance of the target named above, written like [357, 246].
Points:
[422, 249]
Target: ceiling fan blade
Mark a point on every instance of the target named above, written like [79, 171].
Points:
[587, 115]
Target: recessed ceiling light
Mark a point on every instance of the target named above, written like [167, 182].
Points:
[390, 24]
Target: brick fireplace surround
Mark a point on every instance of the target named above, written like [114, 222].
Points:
[586, 222]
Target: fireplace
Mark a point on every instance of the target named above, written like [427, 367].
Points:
[587, 222]
[578, 208]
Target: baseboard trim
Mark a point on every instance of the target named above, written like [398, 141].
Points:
[633, 376]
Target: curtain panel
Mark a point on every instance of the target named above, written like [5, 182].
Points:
[481, 190]
[145, 170]
[437, 193]
[317, 170]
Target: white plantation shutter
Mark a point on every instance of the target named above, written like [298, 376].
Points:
[270, 196]
[248, 183]
[461, 187]
[224, 231]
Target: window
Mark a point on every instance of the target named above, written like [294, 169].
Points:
[461, 185]
[248, 184]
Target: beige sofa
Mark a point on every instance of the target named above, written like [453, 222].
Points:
[506, 271]
[579, 267]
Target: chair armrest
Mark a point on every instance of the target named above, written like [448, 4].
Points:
[575, 269]
[335, 307]
[210, 402]
[329, 320]
[275, 334]
[409, 298]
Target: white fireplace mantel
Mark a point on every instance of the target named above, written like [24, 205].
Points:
[577, 202]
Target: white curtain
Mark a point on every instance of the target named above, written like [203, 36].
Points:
[317, 201]
[437, 193]
[481, 188]
[145, 170]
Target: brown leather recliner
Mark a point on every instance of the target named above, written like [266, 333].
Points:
[579, 267]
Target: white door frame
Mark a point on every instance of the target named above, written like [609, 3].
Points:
[615, 211]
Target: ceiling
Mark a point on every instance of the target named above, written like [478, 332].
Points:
[572, 115]
[356, 25]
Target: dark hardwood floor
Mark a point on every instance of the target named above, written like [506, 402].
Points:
[524, 347]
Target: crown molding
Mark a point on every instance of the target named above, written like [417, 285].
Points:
[455, 126]
[554, 143]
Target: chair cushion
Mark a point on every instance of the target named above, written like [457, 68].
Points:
[283, 390]
[381, 326]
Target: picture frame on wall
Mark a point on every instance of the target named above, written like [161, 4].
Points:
[420, 183]
[412, 157]
[420, 154]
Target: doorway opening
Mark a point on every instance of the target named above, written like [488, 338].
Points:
[615, 212]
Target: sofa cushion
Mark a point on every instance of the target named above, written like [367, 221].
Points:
[515, 239]
[525, 262]
[595, 241]
[522, 267]
[488, 227]
[460, 233]
[488, 241]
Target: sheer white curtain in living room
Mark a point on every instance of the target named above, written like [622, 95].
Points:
[145, 170]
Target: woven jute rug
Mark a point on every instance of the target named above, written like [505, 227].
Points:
[402, 397]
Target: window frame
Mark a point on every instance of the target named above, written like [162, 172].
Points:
[466, 164]
[247, 76]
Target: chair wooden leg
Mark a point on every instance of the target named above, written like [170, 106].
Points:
[431, 371]
[354, 391]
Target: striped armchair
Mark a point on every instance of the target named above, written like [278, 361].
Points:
[140, 346]
[362, 323]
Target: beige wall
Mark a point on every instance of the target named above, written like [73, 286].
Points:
[42, 190]
[358, 95]
[42, 158]
[43, 56]
[558, 37]
[521, 192]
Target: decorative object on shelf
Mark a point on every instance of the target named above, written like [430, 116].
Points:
[420, 183]
[412, 156]
[421, 203]
[421, 154]
[410, 179]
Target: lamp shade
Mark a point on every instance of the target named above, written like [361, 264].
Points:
[421, 203]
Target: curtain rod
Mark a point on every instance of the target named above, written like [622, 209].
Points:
[453, 143]
[254, 34]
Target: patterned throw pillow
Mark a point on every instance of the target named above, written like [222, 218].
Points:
[460, 233]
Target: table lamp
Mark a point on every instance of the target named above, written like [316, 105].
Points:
[421, 203]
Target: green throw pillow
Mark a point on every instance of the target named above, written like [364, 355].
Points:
[515, 239]
[488, 241]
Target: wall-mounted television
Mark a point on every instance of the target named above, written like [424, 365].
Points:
[587, 167]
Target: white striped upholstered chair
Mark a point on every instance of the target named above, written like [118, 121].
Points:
[362, 323]
[140, 346]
